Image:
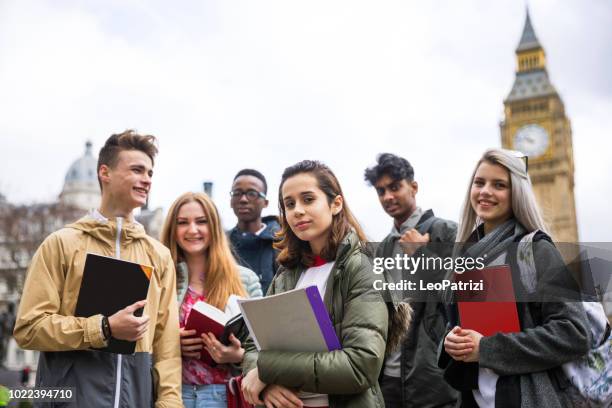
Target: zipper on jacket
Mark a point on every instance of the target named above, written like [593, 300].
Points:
[119, 356]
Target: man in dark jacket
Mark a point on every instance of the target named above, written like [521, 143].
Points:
[253, 236]
[410, 376]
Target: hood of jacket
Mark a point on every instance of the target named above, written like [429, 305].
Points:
[105, 230]
[268, 234]
[272, 227]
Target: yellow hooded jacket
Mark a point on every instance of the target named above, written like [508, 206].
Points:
[46, 322]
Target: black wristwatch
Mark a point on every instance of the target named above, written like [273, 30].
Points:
[106, 330]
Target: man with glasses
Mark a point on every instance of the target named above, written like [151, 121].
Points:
[253, 236]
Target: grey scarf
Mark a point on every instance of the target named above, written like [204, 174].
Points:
[495, 242]
[489, 247]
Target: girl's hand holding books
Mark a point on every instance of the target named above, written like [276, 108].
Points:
[221, 353]
[252, 387]
[190, 346]
[278, 396]
[474, 356]
[463, 344]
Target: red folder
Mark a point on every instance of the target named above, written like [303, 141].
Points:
[493, 309]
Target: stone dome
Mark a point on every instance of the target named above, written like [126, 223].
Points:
[81, 187]
[83, 170]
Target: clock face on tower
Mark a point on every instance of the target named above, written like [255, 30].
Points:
[533, 140]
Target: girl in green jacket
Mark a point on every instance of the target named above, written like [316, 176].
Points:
[321, 244]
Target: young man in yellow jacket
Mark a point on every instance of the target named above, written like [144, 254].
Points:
[68, 344]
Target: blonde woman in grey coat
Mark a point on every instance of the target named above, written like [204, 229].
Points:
[521, 369]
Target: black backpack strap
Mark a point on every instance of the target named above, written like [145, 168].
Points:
[426, 221]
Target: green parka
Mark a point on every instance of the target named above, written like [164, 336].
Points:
[350, 375]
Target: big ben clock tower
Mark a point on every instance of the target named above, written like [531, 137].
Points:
[535, 124]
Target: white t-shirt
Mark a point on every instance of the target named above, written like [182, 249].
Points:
[487, 379]
[487, 387]
[315, 276]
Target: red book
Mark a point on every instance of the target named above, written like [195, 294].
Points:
[491, 309]
[204, 318]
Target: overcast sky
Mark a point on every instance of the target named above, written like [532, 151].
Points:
[264, 84]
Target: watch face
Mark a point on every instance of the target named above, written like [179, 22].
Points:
[532, 140]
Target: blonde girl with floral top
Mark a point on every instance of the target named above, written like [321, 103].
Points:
[206, 271]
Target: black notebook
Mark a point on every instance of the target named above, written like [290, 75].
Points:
[109, 285]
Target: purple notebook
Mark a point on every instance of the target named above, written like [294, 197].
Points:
[296, 320]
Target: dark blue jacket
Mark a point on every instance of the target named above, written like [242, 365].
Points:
[255, 251]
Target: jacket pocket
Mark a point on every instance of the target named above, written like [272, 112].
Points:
[53, 369]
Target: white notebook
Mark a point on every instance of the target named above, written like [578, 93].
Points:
[296, 320]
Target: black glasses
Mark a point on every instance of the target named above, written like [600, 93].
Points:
[251, 195]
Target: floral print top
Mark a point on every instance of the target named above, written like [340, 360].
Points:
[195, 371]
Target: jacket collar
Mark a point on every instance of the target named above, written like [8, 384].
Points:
[106, 230]
[268, 233]
[349, 244]
[409, 224]
[347, 247]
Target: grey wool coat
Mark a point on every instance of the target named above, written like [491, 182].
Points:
[529, 362]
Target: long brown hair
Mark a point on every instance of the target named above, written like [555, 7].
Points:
[295, 252]
[221, 277]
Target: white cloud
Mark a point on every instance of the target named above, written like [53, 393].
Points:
[265, 84]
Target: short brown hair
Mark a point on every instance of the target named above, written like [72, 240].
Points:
[128, 140]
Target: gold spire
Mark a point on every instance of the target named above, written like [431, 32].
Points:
[529, 53]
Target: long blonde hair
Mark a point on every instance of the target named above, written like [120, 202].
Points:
[524, 206]
[221, 277]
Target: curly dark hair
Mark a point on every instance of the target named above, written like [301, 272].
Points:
[391, 165]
